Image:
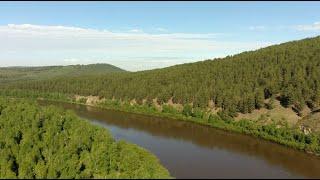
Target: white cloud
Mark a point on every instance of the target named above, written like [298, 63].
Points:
[136, 31]
[306, 27]
[161, 29]
[71, 60]
[311, 27]
[257, 28]
[45, 45]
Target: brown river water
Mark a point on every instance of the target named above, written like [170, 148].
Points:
[189, 150]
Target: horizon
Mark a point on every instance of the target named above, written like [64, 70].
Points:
[146, 35]
[104, 63]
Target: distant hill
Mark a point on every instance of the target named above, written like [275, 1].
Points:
[10, 74]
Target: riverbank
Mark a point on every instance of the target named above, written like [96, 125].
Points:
[192, 150]
[284, 136]
[290, 137]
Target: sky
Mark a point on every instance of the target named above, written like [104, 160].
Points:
[146, 35]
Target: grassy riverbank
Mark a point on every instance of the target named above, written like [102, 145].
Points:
[285, 135]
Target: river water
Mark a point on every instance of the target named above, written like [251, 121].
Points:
[190, 150]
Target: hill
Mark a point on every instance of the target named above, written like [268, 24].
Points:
[288, 72]
[9, 74]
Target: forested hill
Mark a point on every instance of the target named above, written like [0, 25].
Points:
[240, 83]
[8, 74]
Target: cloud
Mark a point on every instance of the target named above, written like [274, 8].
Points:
[311, 27]
[161, 29]
[136, 31]
[306, 27]
[71, 60]
[257, 28]
[45, 45]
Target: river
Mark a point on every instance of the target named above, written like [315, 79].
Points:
[190, 150]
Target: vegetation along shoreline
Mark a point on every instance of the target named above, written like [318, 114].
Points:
[285, 135]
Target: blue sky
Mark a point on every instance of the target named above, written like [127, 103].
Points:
[146, 35]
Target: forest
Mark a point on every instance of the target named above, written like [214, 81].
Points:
[48, 142]
[288, 72]
[13, 74]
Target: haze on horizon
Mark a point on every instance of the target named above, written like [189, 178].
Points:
[146, 35]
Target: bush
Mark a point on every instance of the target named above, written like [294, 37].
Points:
[82, 100]
[169, 109]
[212, 118]
[198, 113]
[225, 116]
[187, 110]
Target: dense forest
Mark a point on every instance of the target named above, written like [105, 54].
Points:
[48, 142]
[288, 72]
[11, 74]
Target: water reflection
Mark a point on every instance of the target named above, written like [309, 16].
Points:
[190, 150]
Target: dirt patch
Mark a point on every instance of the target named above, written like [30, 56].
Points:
[179, 107]
[156, 104]
[312, 122]
[306, 111]
[78, 97]
[278, 113]
[133, 102]
[211, 104]
[92, 100]
[89, 100]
